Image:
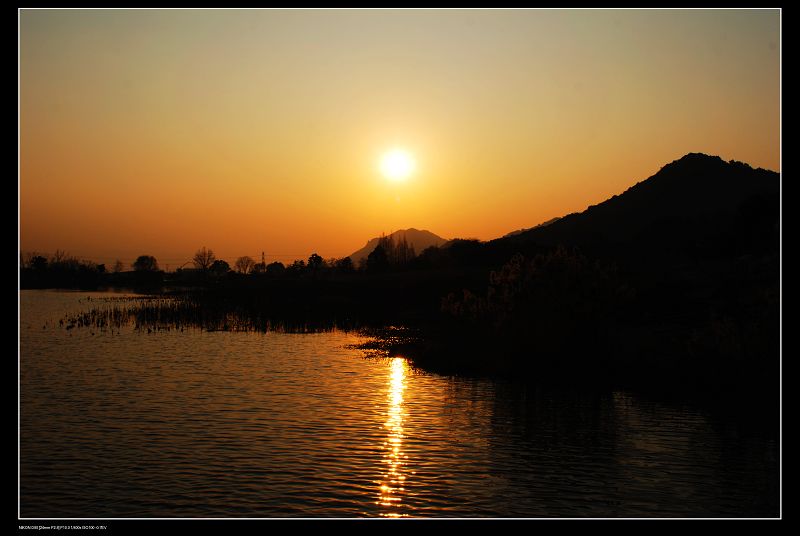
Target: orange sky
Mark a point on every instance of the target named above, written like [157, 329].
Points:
[161, 131]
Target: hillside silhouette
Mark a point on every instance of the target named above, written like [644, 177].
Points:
[684, 205]
[543, 224]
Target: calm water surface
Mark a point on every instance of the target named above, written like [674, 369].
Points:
[199, 424]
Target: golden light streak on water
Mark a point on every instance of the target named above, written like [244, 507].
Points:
[393, 479]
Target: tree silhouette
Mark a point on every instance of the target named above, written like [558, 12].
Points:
[220, 267]
[403, 253]
[315, 262]
[203, 259]
[378, 260]
[344, 265]
[118, 266]
[397, 250]
[275, 268]
[25, 259]
[58, 257]
[145, 263]
[297, 268]
[39, 263]
[244, 265]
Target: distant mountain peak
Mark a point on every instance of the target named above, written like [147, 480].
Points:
[419, 239]
[689, 157]
[695, 160]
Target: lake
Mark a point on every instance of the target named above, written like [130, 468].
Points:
[188, 423]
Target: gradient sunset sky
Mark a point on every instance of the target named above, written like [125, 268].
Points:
[160, 131]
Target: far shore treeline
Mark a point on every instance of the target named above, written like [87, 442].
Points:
[674, 280]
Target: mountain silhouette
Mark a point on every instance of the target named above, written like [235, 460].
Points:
[673, 284]
[690, 204]
[418, 239]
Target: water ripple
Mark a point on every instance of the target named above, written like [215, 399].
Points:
[199, 424]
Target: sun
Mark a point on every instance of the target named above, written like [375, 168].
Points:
[397, 165]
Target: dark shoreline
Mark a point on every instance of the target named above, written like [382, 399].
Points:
[442, 348]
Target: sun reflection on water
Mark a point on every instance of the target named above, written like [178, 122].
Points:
[393, 478]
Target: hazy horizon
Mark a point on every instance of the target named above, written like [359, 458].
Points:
[160, 131]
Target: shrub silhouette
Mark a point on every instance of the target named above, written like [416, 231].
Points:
[145, 263]
[219, 267]
[344, 265]
[275, 268]
[553, 304]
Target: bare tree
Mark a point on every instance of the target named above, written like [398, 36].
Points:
[244, 265]
[25, 259]
[58, 257]
[203, 259]
[118, 266]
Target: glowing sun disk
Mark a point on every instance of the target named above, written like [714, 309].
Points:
[397, 165]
